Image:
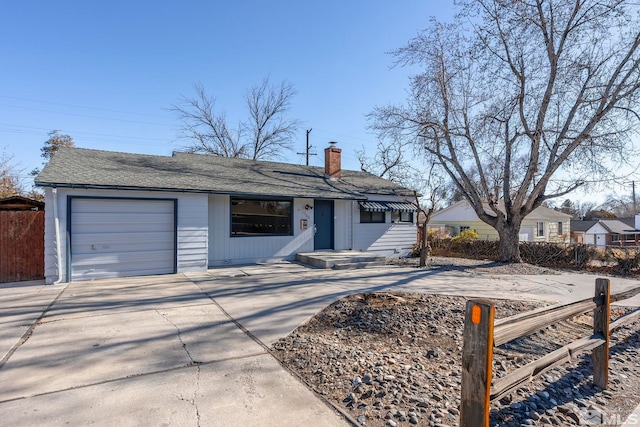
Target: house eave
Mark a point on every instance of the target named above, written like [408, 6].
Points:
[194, 191]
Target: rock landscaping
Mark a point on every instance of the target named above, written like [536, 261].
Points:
[395, 359]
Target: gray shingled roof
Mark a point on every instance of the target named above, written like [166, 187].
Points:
[582, 225]
[616, 226]
[79, 167]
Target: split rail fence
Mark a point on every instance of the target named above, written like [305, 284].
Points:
[482, 334]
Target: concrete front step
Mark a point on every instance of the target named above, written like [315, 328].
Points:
[356, 265]
[340, 260]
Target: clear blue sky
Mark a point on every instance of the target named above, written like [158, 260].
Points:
[107, 72]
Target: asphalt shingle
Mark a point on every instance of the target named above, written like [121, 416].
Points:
[79, 167]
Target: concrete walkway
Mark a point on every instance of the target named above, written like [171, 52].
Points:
[190, 349]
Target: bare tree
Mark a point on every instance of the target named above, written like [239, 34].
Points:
[521, 102]
[264, 135]
[426, 205]
[391, 160]
[10, 182]
[620, 206]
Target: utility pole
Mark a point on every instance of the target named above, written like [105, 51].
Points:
[308, 151]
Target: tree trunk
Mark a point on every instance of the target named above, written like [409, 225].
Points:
[509, 245]
[425, 249]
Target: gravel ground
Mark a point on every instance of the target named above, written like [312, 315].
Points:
[394, 359]
[475, 266]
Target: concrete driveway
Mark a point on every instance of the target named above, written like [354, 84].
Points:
[141, 351]
[191, 349]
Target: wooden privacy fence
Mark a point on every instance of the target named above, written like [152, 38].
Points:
[21, 245]
[481, 334]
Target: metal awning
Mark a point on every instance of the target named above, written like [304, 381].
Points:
[388, 206]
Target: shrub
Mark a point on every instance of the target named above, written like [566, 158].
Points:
[466, 236]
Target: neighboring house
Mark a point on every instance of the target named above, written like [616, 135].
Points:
[579, 228]
[541, 225]
[116, 214]
[609, 232]
[19, 203]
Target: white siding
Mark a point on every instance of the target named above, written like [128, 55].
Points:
[343, 220]
[224, 249]
[50, 251]
[460, 212]
[191, 233]
[596, 235]
[384, 238]
[387, 239]
[193, 236]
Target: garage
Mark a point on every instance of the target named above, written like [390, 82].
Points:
[117, 237]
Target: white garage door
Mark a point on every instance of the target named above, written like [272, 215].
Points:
[121, 238]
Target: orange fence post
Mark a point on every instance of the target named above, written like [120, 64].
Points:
[477, 354]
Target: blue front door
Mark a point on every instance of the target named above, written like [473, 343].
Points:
[323, 220]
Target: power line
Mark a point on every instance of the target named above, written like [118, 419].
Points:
[84, 107]
[84, 115]
[91, 136]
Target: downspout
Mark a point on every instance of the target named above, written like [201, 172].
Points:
[56, 222]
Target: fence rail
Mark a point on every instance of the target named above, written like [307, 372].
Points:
[482, 333]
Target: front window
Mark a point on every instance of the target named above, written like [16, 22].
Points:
[397, 216]
[559, 228]
[540, 229]
[251, 217]
[370, 216]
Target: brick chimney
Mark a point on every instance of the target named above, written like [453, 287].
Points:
[332, 161]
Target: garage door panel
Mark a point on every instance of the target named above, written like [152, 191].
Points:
[131, 206]
[124, 227]
[107, 273]
[126, 260]
[121, 252]
[121, 237]
[108, 218]
[126, 237]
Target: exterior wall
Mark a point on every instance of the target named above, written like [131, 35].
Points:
[577, 237]
[528, 227]
[550, 230]
[225, 250]
[485, 231]
[50, 250]
[462, 214]
[343, 224]
[388, 239]
[596, 235]
[192, 239]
